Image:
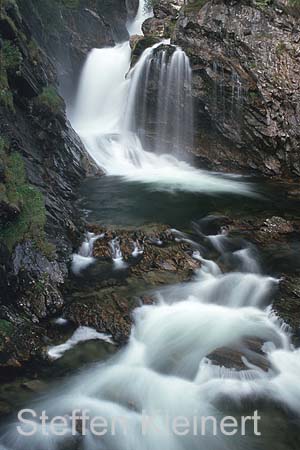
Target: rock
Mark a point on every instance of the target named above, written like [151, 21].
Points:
[245, 85]
[36, 386]
[277, 225]
[106, 304]
[48, 47]
[234, 358]
[132, 7]
[287, 304]
[8, 212]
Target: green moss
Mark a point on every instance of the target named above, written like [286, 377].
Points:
[34, 51]
[263, 3]
[50, 99]
[293, 8]
[12, 57]
[71, 3]
[280, 48]
[194, 5]
[6, 97]
[6, 328]
[32, 218]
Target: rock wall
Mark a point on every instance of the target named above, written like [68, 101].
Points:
[246, 63]
[42, 160]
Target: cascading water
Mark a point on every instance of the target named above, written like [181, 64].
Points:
[117, 117]
[159, 108]
[166, 371]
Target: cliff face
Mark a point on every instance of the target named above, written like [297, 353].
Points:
[41, 158]
[246, 64]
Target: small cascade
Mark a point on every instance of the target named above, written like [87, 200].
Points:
[143, 13]
[219, 89]
[116, 254]
[236, 93]
[138, 249]
[84, 257]
[224, 101]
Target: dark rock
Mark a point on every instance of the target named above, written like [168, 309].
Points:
[107, 302]
[132, 7]
[245, 85]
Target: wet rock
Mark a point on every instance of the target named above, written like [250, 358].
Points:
[235, 358]
[163, 23]
[8, 212]
[245, 85]
[36, 386]
[107, 304]
[132, 7]
[287, 303]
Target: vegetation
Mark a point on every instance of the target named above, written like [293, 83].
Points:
[194, 5]
[17, 191]
[294, 8]
[10, 59]
[50, 99]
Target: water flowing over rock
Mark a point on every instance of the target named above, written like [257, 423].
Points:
[159, 108]
[112, 111]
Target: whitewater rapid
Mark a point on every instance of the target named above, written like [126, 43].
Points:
[166, 369]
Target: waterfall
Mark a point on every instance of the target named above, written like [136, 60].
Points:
[137, 122]
[84, 257]
[144, 11]
[163, 80]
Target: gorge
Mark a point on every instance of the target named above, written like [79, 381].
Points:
[194, 273]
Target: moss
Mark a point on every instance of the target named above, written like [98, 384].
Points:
[280, 48]
[6, 97]
[263, 3]
[32, 218]
[34, 51]
[50, 99]
[6, 328]
[12, 57]
[72, 4]
[194, 5]
[10, 60]
[293, 8]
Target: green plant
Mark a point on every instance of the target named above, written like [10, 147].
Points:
[11, 55]
[6, 97]
[280, 48]
[16, 190]
[50, 99]
[194, 5]
[263, 3]
[72, 4]
[293, 8]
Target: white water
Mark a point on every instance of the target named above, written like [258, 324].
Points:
[116, 253]
[135, 26]
[164, 370]
[105, 119]
[84, 257]
[82, 334]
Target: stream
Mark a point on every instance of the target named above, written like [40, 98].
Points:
[156, 392]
